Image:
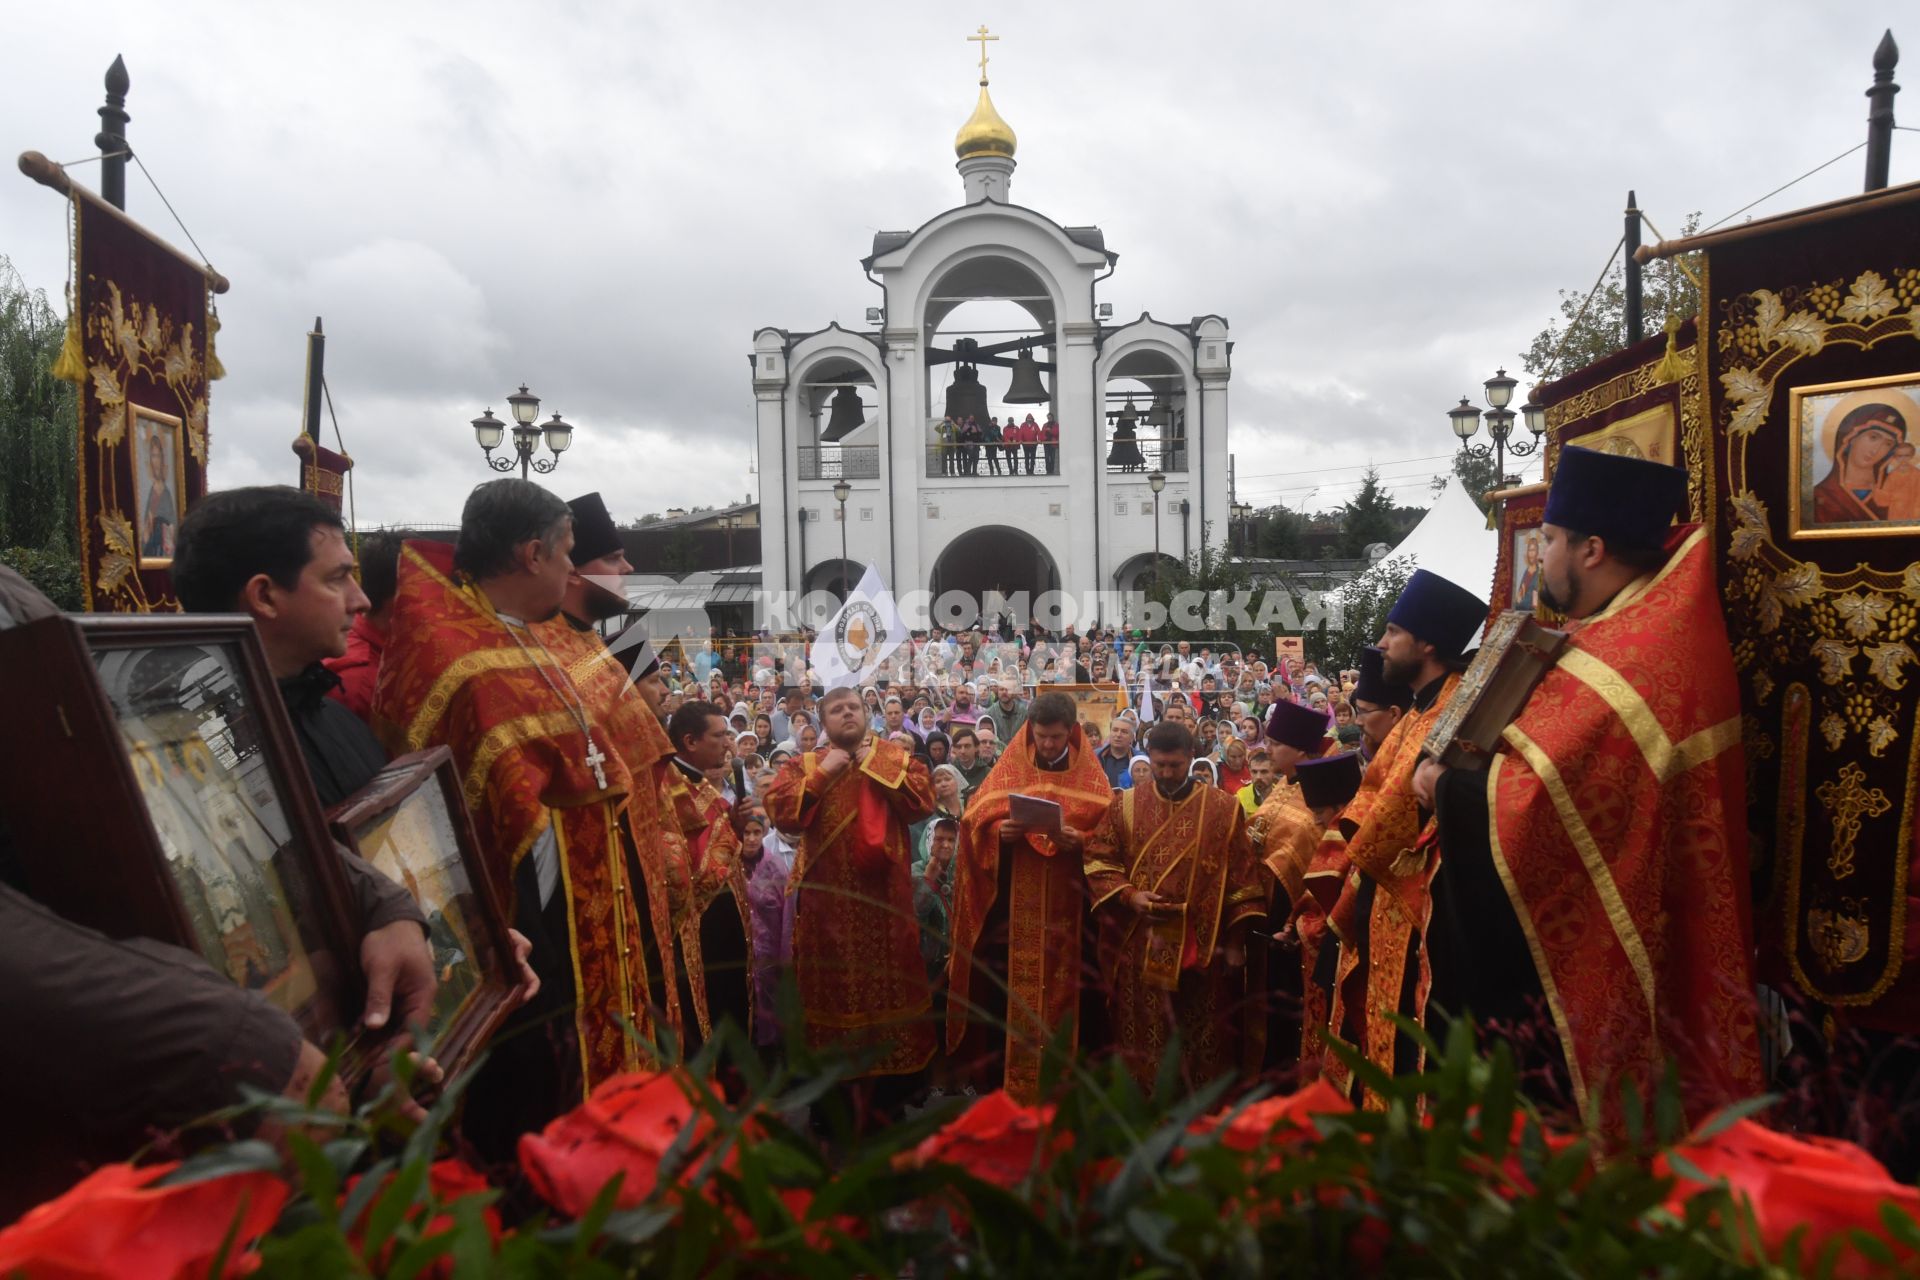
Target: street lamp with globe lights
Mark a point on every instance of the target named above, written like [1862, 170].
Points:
[1243, 513]
[489, 431]
[841, 492]
[1466, 420]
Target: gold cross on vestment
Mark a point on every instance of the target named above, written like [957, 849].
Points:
[1848, 801]
[982, 39]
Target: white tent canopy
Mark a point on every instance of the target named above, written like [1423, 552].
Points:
[1452, 540]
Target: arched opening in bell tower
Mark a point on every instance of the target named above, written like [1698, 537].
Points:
[995, 558]
[1144, 412]
[990, 326]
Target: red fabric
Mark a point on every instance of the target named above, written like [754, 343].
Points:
[117, 1222]
[1827, 1186]
[359, 667]
[1674, 840]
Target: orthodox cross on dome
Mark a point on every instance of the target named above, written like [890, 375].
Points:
[982, 38]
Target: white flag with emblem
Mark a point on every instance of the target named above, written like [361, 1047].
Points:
[861, 636]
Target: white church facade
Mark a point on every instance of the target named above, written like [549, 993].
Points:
[856, 412]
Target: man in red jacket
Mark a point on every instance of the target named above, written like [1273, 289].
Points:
[1050, 437]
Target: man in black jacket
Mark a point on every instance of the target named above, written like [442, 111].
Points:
[280, 556]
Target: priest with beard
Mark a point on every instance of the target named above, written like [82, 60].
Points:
[856, 939]
[637, 732]
[476, 662]
[1380, 916]
[1630, 745]
[1174, 877]
[1017, 971]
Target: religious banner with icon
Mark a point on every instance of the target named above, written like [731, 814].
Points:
[140, 345]
[1517, 570]
[1812, 355]
[1642, 401]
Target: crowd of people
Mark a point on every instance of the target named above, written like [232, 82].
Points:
[965, 443]
[958, 872]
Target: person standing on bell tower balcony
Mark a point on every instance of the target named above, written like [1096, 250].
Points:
[990, 444]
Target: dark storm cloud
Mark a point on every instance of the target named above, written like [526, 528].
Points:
[606, 201]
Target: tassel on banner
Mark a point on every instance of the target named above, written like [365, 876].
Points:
[70, 365]
[215, 370]
[1672, 366]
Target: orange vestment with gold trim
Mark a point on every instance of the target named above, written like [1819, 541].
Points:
[1194, 851]
[705, 853]
[1390, 842]
[454, 675]
[856, 939]
[1047, 901]
[1618, 806]
[635, 733]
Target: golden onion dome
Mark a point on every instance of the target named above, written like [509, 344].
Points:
[985, 133]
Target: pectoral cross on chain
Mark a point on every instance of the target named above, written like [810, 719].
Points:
[595, 758]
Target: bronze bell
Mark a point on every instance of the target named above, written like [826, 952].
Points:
[1128, 418]
[966, 398]
[1161, 414]
[1026, 387]
[848, 415]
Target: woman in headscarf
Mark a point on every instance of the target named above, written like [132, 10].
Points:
[1234, 770]
[949, 801]
[939, 749]
[1141, 767]
[1203, 771]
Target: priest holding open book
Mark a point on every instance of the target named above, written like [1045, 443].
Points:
[1020, 902]
[1597, 864]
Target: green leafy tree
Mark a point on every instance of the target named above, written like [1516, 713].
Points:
[1357, 613]
[1476, 474]
[1576, 338]
[1209, 569]
[1368, 517]
[1277, 533]
[38, 445]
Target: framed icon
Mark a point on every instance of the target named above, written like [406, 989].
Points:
[411, 823]
[165, 797]
[1854, 468]
[159, 483]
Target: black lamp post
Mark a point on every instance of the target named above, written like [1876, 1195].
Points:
[841, 492]
[1157, 481]
[1243, 512]
[1466, 420]
[490, 431]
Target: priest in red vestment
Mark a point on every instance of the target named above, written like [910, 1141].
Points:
[1019, 900]
[632, 730]
[856, 939]
[1381, 913]
[465, 668]
[1299, 842]
[713, 920]
[1600, 864]
[1175, 875]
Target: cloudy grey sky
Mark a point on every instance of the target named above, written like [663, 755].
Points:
[606, 199]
